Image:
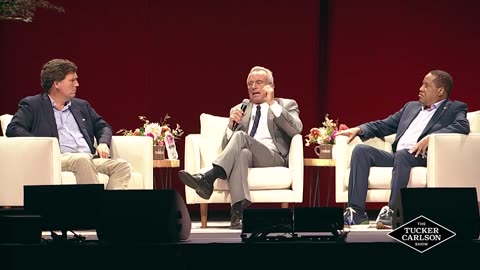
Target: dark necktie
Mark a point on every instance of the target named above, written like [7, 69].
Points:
[255, 122]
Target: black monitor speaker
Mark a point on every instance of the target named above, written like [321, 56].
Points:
[143, 216]
[64, 207]
[265, 221]
[455, 208]
[318, 219]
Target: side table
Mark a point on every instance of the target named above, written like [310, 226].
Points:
[318, 163]
[166, 164]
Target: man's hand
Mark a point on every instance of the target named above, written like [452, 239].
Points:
[235, 117]
[103, 151]
[420, 147]
[269, 94]
[350, 133]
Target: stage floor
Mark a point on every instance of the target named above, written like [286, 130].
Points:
[219, 247]
[219, 232]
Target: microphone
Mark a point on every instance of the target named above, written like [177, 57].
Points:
[243, 107]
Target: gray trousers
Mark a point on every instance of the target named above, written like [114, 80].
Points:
[243, 152]
[364, 157]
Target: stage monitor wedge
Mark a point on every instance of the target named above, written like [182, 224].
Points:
[455, 208]
[318, 219]
[64, 207]
[143, 216]
[265, 221]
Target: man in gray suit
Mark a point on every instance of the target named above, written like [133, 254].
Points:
[258, 135]
[433, 113]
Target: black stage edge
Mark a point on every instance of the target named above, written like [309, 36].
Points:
[185, 255]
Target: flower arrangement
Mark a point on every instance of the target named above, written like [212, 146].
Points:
[155, 130]
[325, 134]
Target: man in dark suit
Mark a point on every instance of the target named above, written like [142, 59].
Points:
[57, 113]
[433, 113]
[257, 136]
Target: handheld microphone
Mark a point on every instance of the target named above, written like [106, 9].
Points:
[243, 107]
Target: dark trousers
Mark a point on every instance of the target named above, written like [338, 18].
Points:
[364, 157]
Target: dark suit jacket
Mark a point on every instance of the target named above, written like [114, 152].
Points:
[35, 118]
[450, 117]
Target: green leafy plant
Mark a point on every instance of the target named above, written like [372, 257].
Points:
[24, 10]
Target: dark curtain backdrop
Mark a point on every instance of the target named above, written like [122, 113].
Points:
[357, 61]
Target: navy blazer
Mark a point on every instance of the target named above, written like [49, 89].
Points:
[450, 117]
[35, 118]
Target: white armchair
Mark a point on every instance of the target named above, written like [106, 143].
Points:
[36, 161]
[452, 162]
[267, 185]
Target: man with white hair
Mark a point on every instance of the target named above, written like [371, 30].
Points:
[259, 134]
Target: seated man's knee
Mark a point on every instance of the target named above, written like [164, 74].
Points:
[360, 150]
[124, 166]
[245, 153]
[238, 135]
[402, 156]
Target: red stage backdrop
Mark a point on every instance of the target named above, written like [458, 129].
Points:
[184, 58]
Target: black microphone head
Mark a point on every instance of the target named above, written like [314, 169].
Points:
[243, 107]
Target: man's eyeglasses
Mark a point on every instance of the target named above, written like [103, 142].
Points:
[257, 82]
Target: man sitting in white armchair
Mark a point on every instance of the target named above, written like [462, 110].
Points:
[433, 113]
[259, 134]
[57, 113]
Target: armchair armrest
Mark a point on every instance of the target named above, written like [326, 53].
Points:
[192, 153]
[296, 166]
[138, 151]
[342, 151]
[343, 154]
[27, 161]
[192, 162]
[452, 160]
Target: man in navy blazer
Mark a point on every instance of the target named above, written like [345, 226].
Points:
[57, 113]
[433, 113]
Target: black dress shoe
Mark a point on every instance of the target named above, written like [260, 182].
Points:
[197, 182]
[236, 222]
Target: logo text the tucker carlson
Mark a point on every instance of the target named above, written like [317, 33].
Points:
[421, 234]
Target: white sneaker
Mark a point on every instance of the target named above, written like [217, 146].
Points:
[384, 219]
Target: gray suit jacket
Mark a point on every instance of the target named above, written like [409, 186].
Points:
[281, 128]
[450, 117]
[35, 118]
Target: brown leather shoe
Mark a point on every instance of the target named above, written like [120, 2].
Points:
[197, 182]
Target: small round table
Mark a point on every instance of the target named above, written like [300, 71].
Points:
[166, 164]
[318, 163]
